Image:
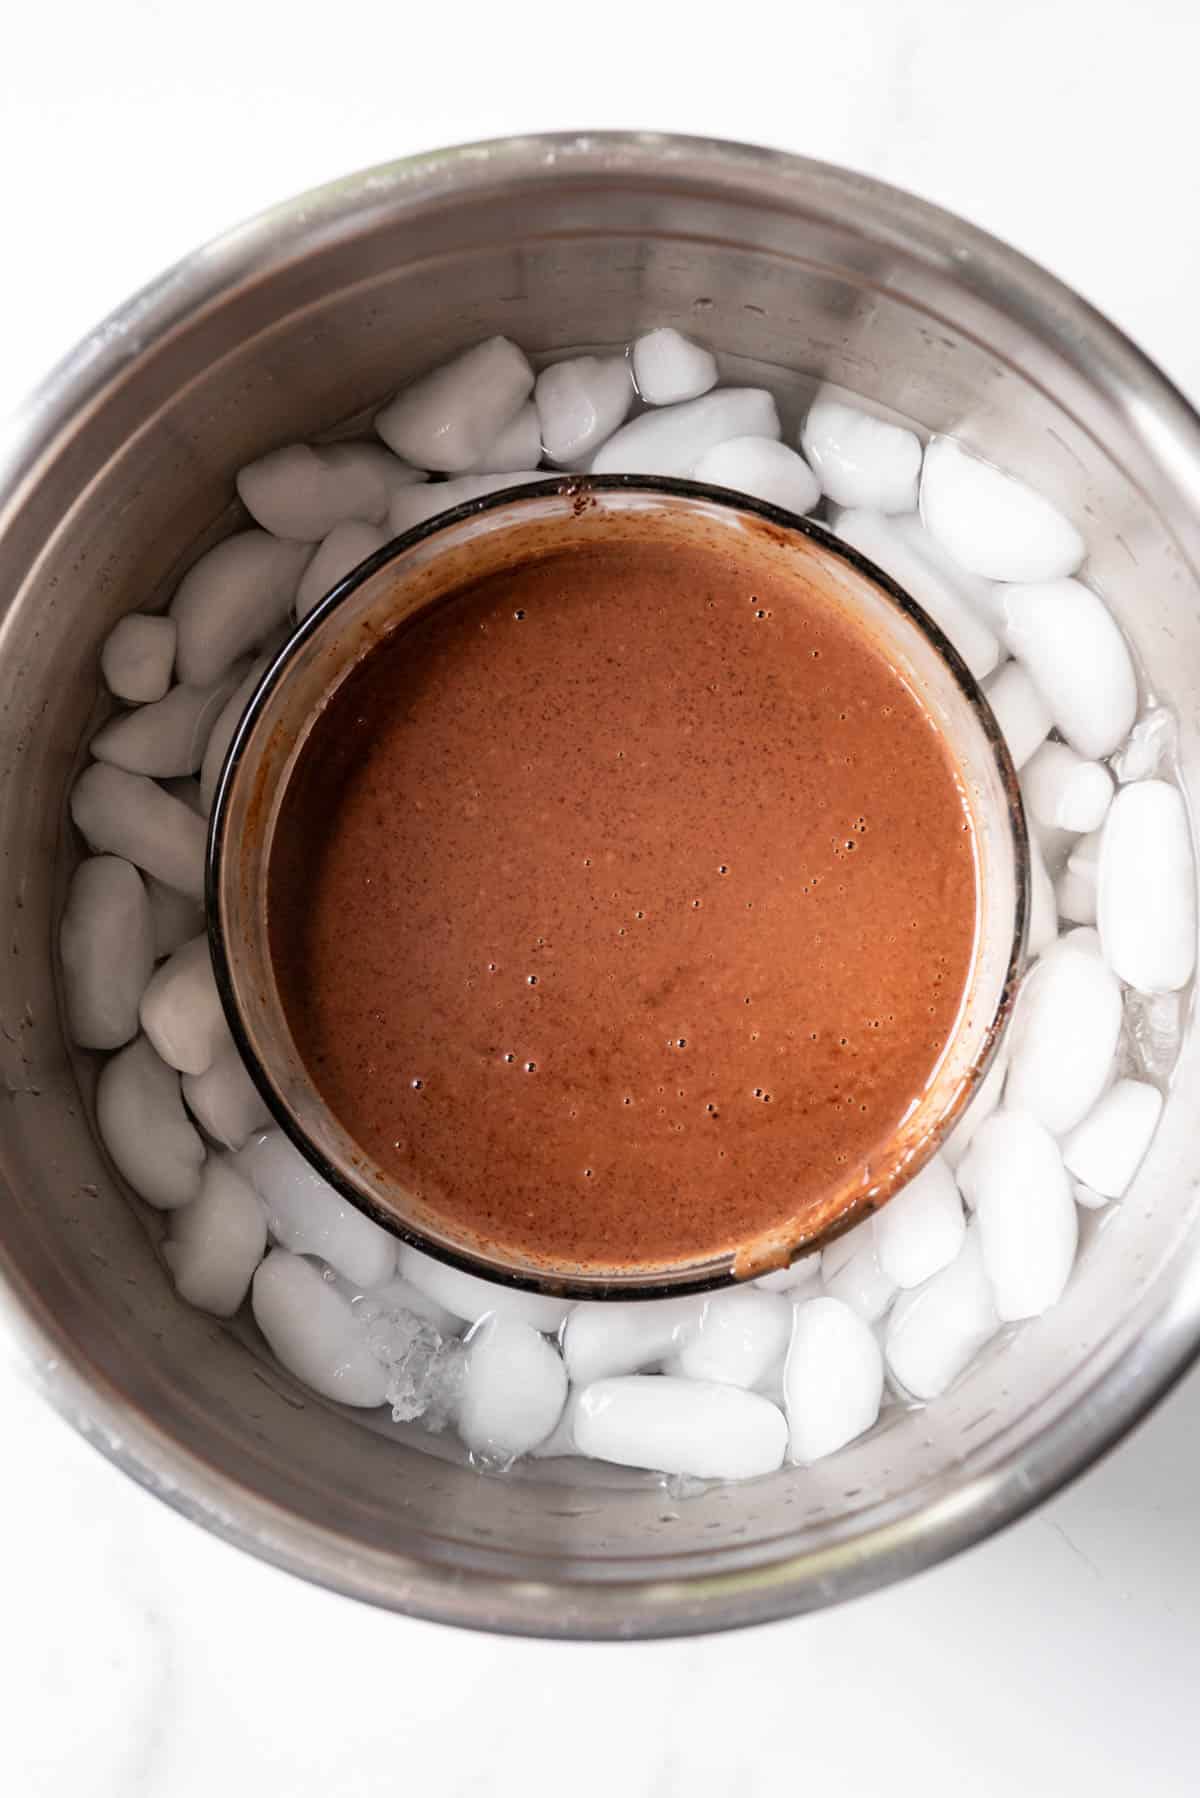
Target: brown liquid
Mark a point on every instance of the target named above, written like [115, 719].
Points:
[623, 902]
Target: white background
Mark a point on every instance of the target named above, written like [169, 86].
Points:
[139, 1658]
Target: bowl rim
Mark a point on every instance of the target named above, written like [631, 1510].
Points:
[1093, 1406]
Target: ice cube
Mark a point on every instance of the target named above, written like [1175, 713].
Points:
[186, 788]
[669, 367]
[762, 468]
[1106, 1149]
[1053, 844]
[106, 940]
[173, 917]
[920, 1230]
[1154, 1028]
[1081, 938]
[991, 523]
[306, 1215]
[513, 1392]
[214, 1244]
[181, 1010]
[561, 1440]
[979, 1107]
[137, 658]
[787, 1279]
[471, 1298]
[1063, 1037]
[984, 597]
[418, 504]
[833, 1381]
[937, 1329]
[1019, 709]
[399, 1294]
[737, 1339]
[1075, 897]
[224, 1100]
[1076, 890]
[606, 1337]
[450, 417]
[580, 403]
[232, 599]
[425, 1367]
[230, 716]
[672, 440]
[1150, 749]
[311, 1328]
[694, 1427]
[1026, 1212]
[850, 1271]
[168, 738]
[1065, 792]
[1043, 910]
[302, 492]
[860, 460]
[1146, 888]
[882, 541]
[142, 1124]
[1073, 650]
[130, 815]
[345, 547]
[518, 446]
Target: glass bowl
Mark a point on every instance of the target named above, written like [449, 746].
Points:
[501, 532]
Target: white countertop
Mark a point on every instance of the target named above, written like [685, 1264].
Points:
[140, 1658]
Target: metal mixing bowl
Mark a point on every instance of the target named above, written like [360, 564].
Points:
[119, 471]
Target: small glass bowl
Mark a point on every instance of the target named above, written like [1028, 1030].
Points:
[498, 532]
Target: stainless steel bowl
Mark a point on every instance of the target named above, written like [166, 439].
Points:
[119, 471]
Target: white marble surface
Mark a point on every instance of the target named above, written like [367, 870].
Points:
[138, 1657]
